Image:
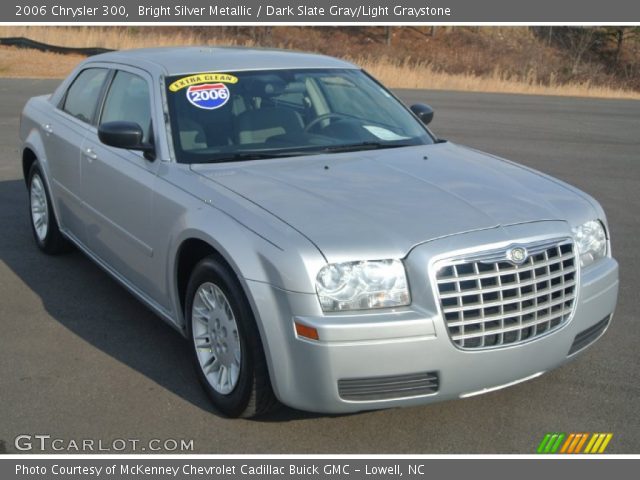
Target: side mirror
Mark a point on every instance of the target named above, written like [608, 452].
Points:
[127, 135]
[423, 112]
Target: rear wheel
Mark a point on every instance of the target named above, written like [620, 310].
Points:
[227, 350]
[44, 224]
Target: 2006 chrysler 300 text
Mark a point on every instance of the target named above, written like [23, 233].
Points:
[312, 238]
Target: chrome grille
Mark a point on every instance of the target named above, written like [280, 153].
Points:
[488, 301]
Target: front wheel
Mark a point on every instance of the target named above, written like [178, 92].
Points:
[226, 345]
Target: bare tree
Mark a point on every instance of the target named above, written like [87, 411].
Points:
[576, 41]
[620, 35]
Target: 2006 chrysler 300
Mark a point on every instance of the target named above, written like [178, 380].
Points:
[316, 243]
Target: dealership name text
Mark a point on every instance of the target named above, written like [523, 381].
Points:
[190, 470]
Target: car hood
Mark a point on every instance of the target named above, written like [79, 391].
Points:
[375, 204]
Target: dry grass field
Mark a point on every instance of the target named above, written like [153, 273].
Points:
[448, 65]
[22, 63]
[425, 76]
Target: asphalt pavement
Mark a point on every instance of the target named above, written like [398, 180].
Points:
[80, 358]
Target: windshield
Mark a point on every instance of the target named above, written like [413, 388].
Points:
[219, 117]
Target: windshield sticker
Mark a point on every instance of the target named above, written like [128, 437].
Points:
[202, 78]
[208, 96]
[383, 133]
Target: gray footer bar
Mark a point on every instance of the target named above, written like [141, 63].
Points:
[314, 468]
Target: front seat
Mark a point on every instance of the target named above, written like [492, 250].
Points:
[258, 126]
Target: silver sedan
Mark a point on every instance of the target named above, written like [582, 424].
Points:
[316, 243]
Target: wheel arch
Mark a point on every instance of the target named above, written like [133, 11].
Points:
[190, 252]
[33, 151]
[193, 248]
[29, 157]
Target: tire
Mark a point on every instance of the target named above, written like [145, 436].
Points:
[225, 342]
[44, 224]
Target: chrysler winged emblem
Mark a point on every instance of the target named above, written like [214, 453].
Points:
[517, 255]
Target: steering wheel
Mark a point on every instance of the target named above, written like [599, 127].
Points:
[325, 116]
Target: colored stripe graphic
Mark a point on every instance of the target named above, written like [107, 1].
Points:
[581, 442]
[556, 445]
[598, 443]
[550, 443]
[577, 440]
[604, 445]
[567, 442]
[590, 444]
[573, 443]
[543, 443]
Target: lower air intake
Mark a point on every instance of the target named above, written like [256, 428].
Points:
[390, 387]
[590, 335]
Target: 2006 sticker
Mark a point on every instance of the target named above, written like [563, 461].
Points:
[208, 96]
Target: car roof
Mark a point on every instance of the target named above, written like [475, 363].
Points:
[184, 60]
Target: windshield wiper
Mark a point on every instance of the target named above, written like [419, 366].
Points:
[354, 147]
[242, 156]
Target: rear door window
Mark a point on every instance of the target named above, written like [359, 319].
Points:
[82, 97]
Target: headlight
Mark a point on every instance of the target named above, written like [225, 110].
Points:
[362, 285]
[591, 242]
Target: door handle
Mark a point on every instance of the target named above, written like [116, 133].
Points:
[90, 154]
[47, 128]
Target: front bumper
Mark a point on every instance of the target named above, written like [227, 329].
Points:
[305, 374]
